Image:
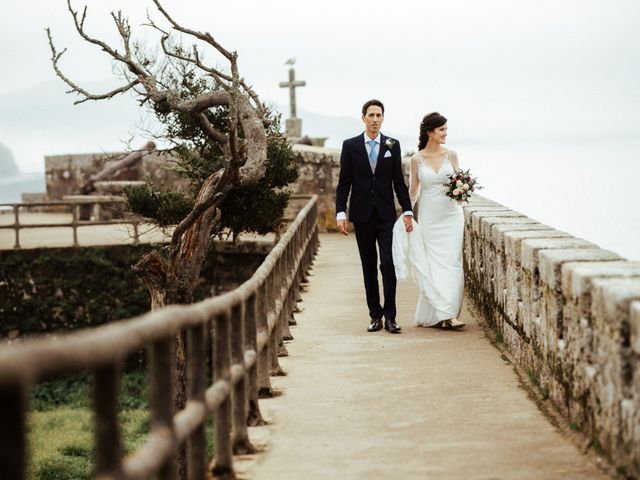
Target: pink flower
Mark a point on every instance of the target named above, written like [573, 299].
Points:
[456, 192]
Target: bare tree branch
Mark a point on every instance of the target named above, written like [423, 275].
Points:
[205, 37]
[216, 135]
[55, 57]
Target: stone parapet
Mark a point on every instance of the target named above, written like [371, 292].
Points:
[318, 170]
[569, 314]
[66, 174]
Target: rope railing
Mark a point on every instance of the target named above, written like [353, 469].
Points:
[248, 326]
[72, 206]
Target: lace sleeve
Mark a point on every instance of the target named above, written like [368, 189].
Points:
[455, 163]
[414, 181]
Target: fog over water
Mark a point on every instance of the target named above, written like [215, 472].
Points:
[543, 98]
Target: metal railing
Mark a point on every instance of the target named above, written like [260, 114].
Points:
[74, 206]
[248, 326]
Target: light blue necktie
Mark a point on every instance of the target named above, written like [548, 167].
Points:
[373, 157]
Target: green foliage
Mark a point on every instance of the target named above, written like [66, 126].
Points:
[72, 390]
[46, 290]
[255, 208]
[260, 207]
[165, 208]
[75, 391]
[62, 289]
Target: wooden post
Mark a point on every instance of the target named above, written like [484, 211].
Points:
[223, 463]
[136, 234]
[196, 377]
[74, 223]
[13, 444]
[240, 440]
[264, 355]
[161, 395]
[254, 416]
[107, 430]
[16, 225]
[274, 336]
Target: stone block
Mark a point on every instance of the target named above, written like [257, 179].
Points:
[578, 362]
[553, 323]
[468, 210]
[477, 217]
[530, 248]
[530, 285]
[613, 402]
[550, 261]
[512, 281]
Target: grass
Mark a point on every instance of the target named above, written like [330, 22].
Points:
[61, 431]
[61, 441]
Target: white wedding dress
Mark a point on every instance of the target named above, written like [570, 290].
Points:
[432, 253]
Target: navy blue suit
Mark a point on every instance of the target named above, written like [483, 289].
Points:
[372, 212]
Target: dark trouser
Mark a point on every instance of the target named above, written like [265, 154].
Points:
[366, 236]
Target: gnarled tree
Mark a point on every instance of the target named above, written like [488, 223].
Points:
[235, 133]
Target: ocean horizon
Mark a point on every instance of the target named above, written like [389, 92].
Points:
[587, 189]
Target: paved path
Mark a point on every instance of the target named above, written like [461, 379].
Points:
[426, 404]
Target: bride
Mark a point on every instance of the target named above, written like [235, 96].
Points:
[433, 254]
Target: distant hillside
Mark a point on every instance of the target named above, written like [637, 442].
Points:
[8, 166]
[338, 129]
[43, 120]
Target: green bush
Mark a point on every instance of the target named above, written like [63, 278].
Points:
[74, 391]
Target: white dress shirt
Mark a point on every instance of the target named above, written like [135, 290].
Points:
[376, 147]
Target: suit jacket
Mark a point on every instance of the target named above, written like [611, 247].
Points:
[370, 189]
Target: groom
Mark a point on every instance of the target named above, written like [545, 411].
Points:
[371, 167]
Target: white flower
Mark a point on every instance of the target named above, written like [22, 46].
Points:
[465, 187]
[458, 183]
[389, 143]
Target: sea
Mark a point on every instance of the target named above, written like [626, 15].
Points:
[588, 189]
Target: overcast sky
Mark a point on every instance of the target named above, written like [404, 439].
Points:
[500, 70]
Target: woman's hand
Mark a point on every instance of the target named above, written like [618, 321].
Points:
[408, 224]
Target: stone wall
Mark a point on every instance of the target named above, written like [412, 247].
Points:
[65, 174]
[319, 169]
[569, 314]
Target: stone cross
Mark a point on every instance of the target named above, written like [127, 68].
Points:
[293, 124]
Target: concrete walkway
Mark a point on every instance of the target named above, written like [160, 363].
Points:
[425, 404]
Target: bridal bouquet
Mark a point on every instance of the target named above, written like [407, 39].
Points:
[461, 185]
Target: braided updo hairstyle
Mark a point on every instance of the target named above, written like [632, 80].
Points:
[429, 123]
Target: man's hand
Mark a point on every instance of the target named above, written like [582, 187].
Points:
[343, 227]
[407, 223]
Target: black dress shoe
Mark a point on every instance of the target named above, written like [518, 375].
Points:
[375, 325]
[391, 326]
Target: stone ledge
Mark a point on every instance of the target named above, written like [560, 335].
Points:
[634, 319]
[476, 217]
[577, 276]
[512, 240]
[529, 248]
[487, 224]
[550, 261]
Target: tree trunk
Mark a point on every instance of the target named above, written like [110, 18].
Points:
[174, 282]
